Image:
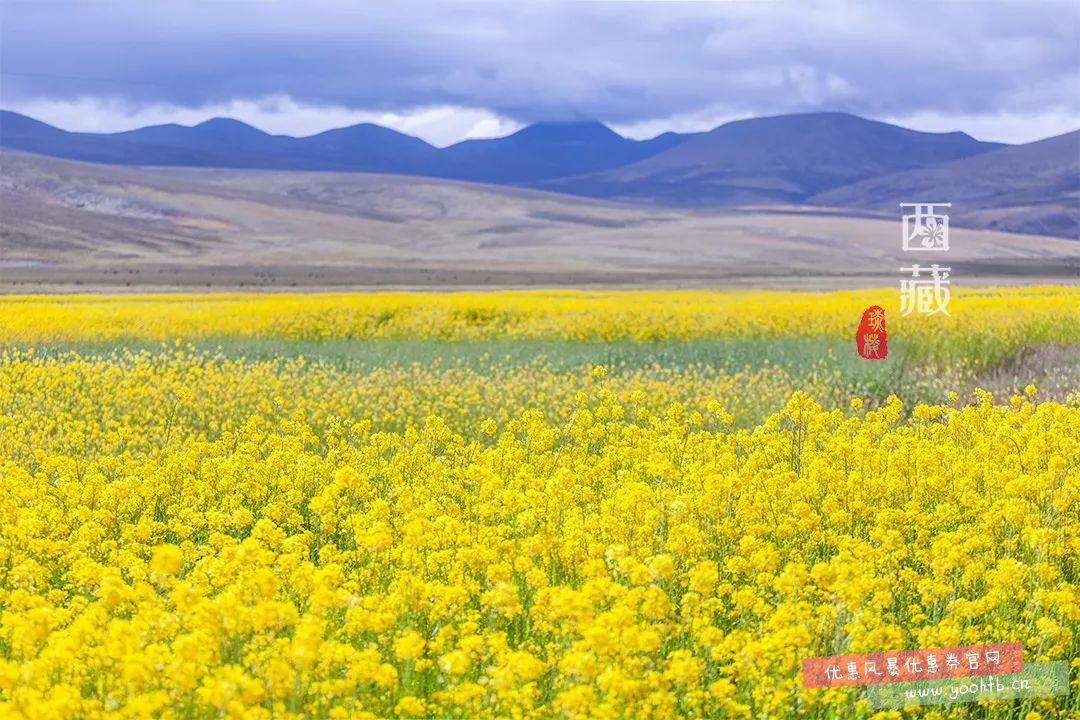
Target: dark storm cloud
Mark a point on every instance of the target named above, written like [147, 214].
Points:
[622, 62]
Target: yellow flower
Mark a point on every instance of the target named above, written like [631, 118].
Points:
[525, 665]
[703, 577]
[662, 567]
[410, 707]
[455, 662]
[409, 646]
[167, 560]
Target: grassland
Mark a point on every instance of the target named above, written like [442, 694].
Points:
[71, 226]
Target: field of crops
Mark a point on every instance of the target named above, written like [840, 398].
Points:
[526, 504]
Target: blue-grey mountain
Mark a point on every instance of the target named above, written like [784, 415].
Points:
[779, 158]
[774, 159]
[1032, 188]
[833, 159]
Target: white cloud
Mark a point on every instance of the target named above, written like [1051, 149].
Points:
[278, 114]
[700, 121]
[626, 62]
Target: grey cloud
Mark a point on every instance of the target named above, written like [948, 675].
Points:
[621, 62]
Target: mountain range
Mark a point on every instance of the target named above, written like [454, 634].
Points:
[774, 159]
[535, 153]
[827, 158]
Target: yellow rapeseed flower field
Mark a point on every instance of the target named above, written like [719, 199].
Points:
[1034, 313]
[196, 529]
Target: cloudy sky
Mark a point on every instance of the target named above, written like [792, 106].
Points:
[1006, 71]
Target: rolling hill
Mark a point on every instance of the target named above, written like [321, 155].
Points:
[548, 150]
[223, 142]
[785, 158]
[101, 225]
[537, 152]
[1033, 188]
[832, 159]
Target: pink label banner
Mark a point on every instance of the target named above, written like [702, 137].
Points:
[907, 665]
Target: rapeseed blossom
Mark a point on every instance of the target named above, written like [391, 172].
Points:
[186, 535]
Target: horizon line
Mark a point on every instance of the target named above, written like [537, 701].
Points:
[592, 121]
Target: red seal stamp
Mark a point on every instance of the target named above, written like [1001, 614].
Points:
[870, 338]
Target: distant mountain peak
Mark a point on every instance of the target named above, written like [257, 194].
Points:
[363, 128]
[225, 122]
[224, 125]
[568, 131]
